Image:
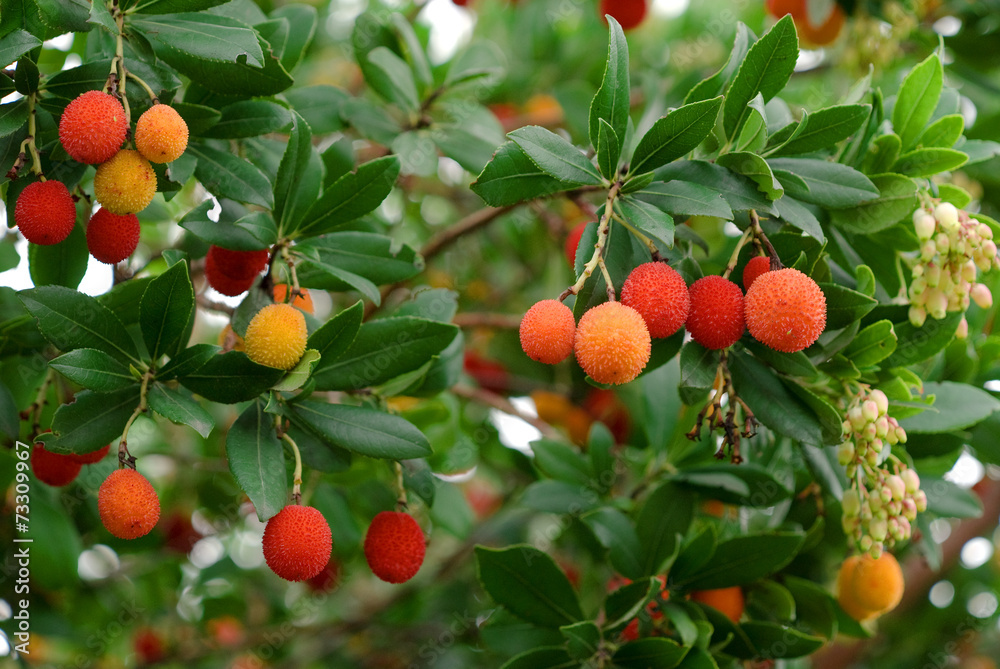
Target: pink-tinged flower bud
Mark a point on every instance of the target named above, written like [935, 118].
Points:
[857, 418]
[900, 435]
[896, 485]
[927, 251]
[917, 315]
[989, 249]
[932, 274]
[875, 506]
[981, 295]
[845, 453]
[876, 445]
[871, 457]
[885, 494]
[869, 409]
[923, 224]
[942, 242]
[920, 499]
[937, 303]
[962, 331]
[895, 507]
[880, 399]
[869, 432]
[947, 215]
[893, 529]
[911, 479]
[909, 509]
[984, 231]
[882, 427]
[969, 270]
[905, 528]
[876, 550]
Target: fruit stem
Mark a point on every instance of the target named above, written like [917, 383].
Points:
[145, 86]
[29, 141]
[653, 251]
[124, 457]
[400, 488]
[297, 474]
[295, 290]
[733, 259]
[610, 286]
[761, 238]
[119, 61]
[602, 239]
[40, 401]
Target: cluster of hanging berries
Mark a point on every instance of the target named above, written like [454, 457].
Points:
[954, 248]
[783, 309]
[885, 495]
[93, 129]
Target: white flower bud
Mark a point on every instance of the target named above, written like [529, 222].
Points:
[923, 224]
[984, 231]
[947, 215]
[937, 303]
[897, 486]
[981, 295]
[909, 509]
[878, 530]
[942, 242]
[845, 453]
[851, 503]
[911, 480]
[880, 399]
[932, 274]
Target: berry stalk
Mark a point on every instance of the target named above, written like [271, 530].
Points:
[602, 239]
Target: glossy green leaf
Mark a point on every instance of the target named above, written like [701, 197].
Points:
[62, 264]
[917, 99]
[555, 156]
[929, 162]
[335, 336]
[675, 135]
[511, 177]
[825, 128]
[608, 151]
[756, 169]
[872, 344]
[206, 37]
[362, 430]
[615, 531]
[257, 460]
[230, 378]
[249, 118]
[780, 641]
[652, 653]
[166, 312]
[401, 89]
[527, 582]
[745, 559]
[180, 408]
[766, 69]
[224, 174]
[844, 306]
[943, 132]
[828, 184]
[683, 198]
[93, 369]
[957, 406]
[613, 99]
[740, 193]
[658, 530]
[92, 420]
[353, 195]
[897, 200]
[771, 402]
[648, 219]
[747, 485]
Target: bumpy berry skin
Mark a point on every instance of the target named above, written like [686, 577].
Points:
[276, 336]
[629, 13]
[92, 127]
[785, 310]
[612, 343]
[716, 317]
[112, 238]
[394, 546]
[868, 587]
[297, 543]
[161, 135]
[729, 601]
[125, 184]
[128, 504]
[45, 213]
[54, 469]
[547, 331]
[659, 294]
[754, 268]
[303, 300]
[90, 458]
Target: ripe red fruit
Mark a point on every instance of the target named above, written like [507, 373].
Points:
[547, 331]
[754, 268]
[786, 310]
[53, 468]
[90, 458]
[394, 546]
[297, 542]
[112, 238]
[716, 317]
[573, 242]
[232, 272]
[128, 504]
[612, 343]
[45, 213]
[629, 13]
[489, 374]
[659, 294]
[148, 645]
[93, 127]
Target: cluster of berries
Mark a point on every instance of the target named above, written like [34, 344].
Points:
[784, 309]
[954, 248]
[92, 130]
[880, 505]
[298, 542]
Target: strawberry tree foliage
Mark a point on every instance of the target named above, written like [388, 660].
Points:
[742, 468]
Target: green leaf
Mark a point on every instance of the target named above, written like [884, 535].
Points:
[560, 461]
[180, 408]
[928, 162]
[649, 219]
[582, 639]
[224, 174]
[527, 582]
[300, 373]
[917, 99]
[351, 196]
[558, 497]
[766, 69]
[413, 50]
[318, 105]
[714, 85]
[658, 531]
[772, 403]
[166, 312]
[745, 559]
[739, 192]
[230, 378]
[384, 349]
[957, 406]
[823, 129]
[897, 201]
[172, 6]
[10, 422]
[613, 99]
[652, 653]
[698, 658]
[70, 320]
[93, 369]
[943, 132]
[65, 15]
[199, 118]
[542, 658]
[753, 136]
[755, 168]
[241, 235]
[511, 177]
[12, 116]
[92, 420]
[62, 264]
[882, 154]
[555, 156]
[873, 344]
[15, 44]
[615, 532]
[780, 641]
[335, 336]
[675, 135]
[797, 215]
[625, 603]
[916, 344]
[683, 198]
[608, 150]
[698, 369]
[208, 37]
[257, 460]
[695, 554]
[844, 306]
[366, 431]
[187, 361]
[827, 184]
[745, 485]
[249, 118]
[401, 88]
